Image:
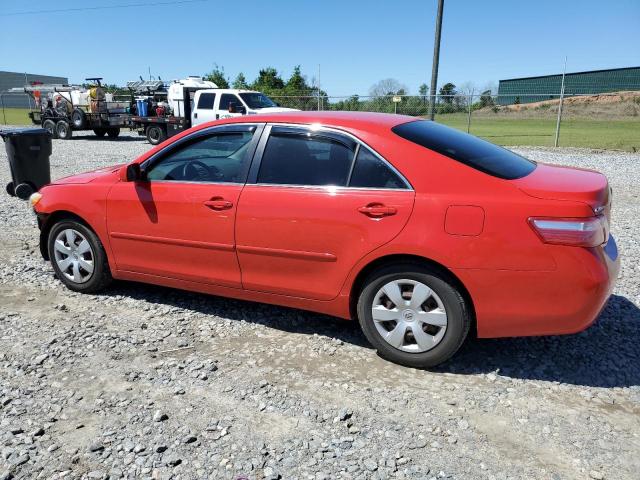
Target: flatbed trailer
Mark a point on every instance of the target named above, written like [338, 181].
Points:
[62, 126]
[158, 128]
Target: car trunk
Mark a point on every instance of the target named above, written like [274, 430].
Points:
[552, 182]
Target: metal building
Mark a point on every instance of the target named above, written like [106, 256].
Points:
[15, 79]
[536, 89]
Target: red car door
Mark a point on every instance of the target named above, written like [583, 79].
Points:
[179, 221]
[319, 203]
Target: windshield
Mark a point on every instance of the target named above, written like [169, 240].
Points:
[467, 149]
[257, 100]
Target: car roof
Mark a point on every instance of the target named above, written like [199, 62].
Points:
[348, 120]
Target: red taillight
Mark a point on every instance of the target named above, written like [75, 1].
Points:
[579, 232]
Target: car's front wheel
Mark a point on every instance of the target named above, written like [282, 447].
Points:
[413, 315]
[78, 257]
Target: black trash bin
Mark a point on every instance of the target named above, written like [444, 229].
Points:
[28, 150]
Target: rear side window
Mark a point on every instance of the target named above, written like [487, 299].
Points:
[371, 172]
[206, 101]
[467, 149]
[292, 159]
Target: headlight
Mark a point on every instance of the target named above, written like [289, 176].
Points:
[35, 198]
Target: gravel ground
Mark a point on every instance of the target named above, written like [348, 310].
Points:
[147, 382]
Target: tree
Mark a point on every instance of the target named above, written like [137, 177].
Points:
[423, 90]
[240, 82]
[297, 83]
[217, 76]
[386, 87]
[486, 100]
[447, 91]
[268, 81]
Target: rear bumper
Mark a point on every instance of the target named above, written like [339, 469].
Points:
[565, 300]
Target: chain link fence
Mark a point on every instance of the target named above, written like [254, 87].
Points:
[607, 120]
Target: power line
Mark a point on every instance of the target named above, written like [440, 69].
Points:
[101, 7]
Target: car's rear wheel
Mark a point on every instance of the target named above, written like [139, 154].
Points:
[78, 257]
[413, 315]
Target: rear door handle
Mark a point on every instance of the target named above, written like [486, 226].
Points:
[377, 210]
[218, 203]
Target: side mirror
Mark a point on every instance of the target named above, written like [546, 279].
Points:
[133, 173]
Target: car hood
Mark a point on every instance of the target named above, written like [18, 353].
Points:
[552, 182]
[87, 177]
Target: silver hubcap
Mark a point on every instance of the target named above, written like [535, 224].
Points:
[73, 255]
[409, 316]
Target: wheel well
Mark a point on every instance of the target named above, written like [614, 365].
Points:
[50, 221]
[358, 283]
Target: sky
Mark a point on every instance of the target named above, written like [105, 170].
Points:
[355, 42]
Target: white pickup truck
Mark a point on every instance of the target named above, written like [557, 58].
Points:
[193, 101]
[213, 104]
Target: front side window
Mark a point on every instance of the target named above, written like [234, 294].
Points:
[219, 157]
[371, 172]
[305, 159]
[228, 98]
[257, 100]
[206, 101]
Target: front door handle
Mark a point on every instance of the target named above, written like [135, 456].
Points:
[377, 210]
[218, 203]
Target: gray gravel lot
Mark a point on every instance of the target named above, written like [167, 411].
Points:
[147, 382]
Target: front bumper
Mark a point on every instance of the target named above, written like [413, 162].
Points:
[524, 303]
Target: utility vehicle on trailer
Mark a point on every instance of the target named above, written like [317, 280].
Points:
[62, 109]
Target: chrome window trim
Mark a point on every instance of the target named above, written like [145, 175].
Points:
[175, 182]
[328, 187]
[313, 128]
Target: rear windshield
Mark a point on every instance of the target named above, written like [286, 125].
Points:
[467, 149]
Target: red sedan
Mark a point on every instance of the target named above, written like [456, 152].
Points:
[419, 231]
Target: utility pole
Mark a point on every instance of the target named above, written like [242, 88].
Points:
[436, 61]
[319, 106]
[564, 72]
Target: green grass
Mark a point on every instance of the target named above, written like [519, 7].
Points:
[14, 116]
[606, 134]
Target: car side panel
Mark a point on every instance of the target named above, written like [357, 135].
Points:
[303, 241]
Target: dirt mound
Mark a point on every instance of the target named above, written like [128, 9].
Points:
[603, 105]
[600, 98]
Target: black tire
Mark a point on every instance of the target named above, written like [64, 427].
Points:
[24, 190]
[63, 130]
[100, 132]
[50, 126]
[156, 134]
[113, 132]
[457, 310]
[101, 276]
[78, 119]
[10, 189]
